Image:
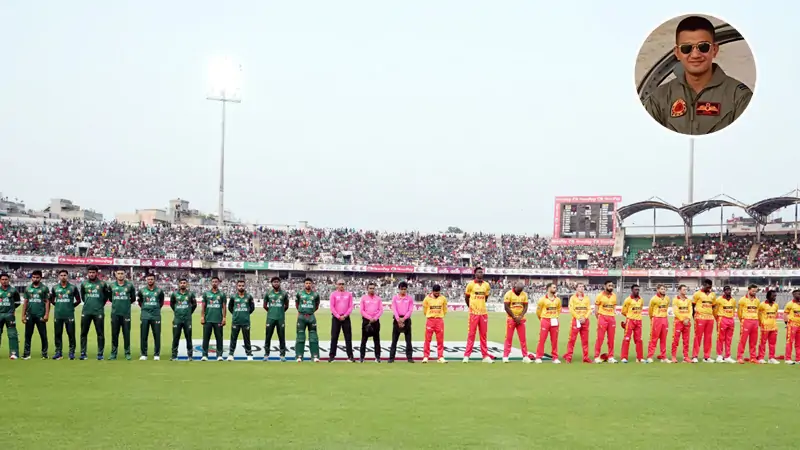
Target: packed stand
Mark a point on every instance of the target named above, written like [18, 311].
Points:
[777, 254]
[732, 253]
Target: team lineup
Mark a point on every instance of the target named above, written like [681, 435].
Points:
[758, 321]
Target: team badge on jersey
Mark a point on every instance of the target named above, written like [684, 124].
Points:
[678, 108]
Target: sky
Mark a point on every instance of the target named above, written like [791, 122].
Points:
[412, 115]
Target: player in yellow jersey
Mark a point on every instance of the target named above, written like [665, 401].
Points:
[682, 311]
[632, 311]
[703, 303]
[435, 308]
[748, 318]
[606, 313]
[516, 306]
[724, 310]
[580, 307]
[476, 296]
[548, 310]
[768, 323]
[657, 311]
[791, 317]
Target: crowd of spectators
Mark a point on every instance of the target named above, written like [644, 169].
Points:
[351, 246]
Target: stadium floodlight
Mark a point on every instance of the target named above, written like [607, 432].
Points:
[225, 84]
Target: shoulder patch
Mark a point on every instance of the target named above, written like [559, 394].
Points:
[742, 87]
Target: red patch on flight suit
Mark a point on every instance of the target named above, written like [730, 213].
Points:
[708, 109]
[678, 108]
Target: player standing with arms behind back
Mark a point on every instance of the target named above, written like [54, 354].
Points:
[65, 298]
[515, 303]
[212, 317]
[123, 294]
[434, 307]
[703, 303]
[402, 307]
[307, 304]
[276, 302]
[9, 300]
[35, 313]
[95, 293]
[606, 313]
[241, 305]
[151, 300]
[371, 308]
[341, 303]
[658, 312]
[768, 323]
[791, 317]
[183, 303]
[632, 311]
[476, 296]
[548, 310]
[724, 310]
[748, 319]
[579, 309]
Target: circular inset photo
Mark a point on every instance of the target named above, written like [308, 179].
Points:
[695, 74]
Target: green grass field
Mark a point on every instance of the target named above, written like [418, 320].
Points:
[149, 404]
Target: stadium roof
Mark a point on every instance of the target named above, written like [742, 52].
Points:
[700, 207]
[628, 210]
[770, 205]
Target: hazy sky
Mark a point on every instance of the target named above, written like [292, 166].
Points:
[391, 115]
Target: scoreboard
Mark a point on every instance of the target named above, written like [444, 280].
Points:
[585, 220]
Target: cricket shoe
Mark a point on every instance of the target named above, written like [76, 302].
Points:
[316, 360]
[299, 360]
[708, 360]
[598, 360]
[694, 360]
[249, 357]
[773, 361]
[612, 360]
[230, 357]
[687, 360]
[204, 358]
[740, 361]
[100, 357]
[13, 356]
[220, 358]
[266, 358]
[156, 358]
[674, 360]
[143, 358]
[465, 360]
[526, 360]
[58, 357]
[283, 359]
[488, 360]
[128, 357]
[425, 360]
[649, 361]
[505, 359]
[538, 360]
[441, 361]
[624, 361]
[789, 362]
[351, 360]
[72, 356]
[761, 361]
[25, 358]
[83, 357]
[730, 360]
[190, 358]
[720, 359]
[377, 360]
[667, 361]
[556, 361]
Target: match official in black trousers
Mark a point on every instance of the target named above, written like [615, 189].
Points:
[402, 307]
[341, 306]
[371, 307]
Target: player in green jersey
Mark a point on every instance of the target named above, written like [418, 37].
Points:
[123, 295]
[212, 317]
[276, 302]
[183, 303]
[35, 313]
[94, 293]
[9, 300]
[65, 297]
[241, 305]
[307, 303]
[151, 300]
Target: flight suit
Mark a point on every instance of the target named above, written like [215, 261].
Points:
[677, 107]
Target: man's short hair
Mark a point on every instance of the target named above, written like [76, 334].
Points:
[215, 278]
[477, 269]
[37, 272]
[402, 285]
[308, 280]
[659, 286]
[150, 274]
[274, 279]
[371, 283]
[707, 282]
[182, 279]
[4, 274]
[92, 268]
[607, 281]
[635, 286]
[59, 272]
[681, 286]
[796, 290]
[752, 286]
[437, 288]
[726, 288]
[695, 23]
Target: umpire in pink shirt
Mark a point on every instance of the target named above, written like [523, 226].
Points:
[371, 307]
[341, 307]
[402, 307]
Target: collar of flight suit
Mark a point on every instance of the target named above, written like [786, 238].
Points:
[718, 76]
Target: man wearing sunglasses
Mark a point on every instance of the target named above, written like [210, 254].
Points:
[701, 99]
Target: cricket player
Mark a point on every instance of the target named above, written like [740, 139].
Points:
[768, 323]
[548, 310]
[151, 300]
[748, 319]
[35, 313]
[65, 297]
[434, 307]
[123, 295]
[476, 296]
[579, 308]
[657, 311]
[341, 306]
[402, 307]
[212, 317]
[791, 317]
[241, 305]
[371, 307]
[276, 303]
[9, 300]
[682, 320]
[703, 303]
[632, 311]
[307, 304]
[183, 304]
[516, 305]
[606, 312]
[94, 293]
[724, 310]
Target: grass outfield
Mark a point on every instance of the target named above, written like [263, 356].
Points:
[137, 404]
